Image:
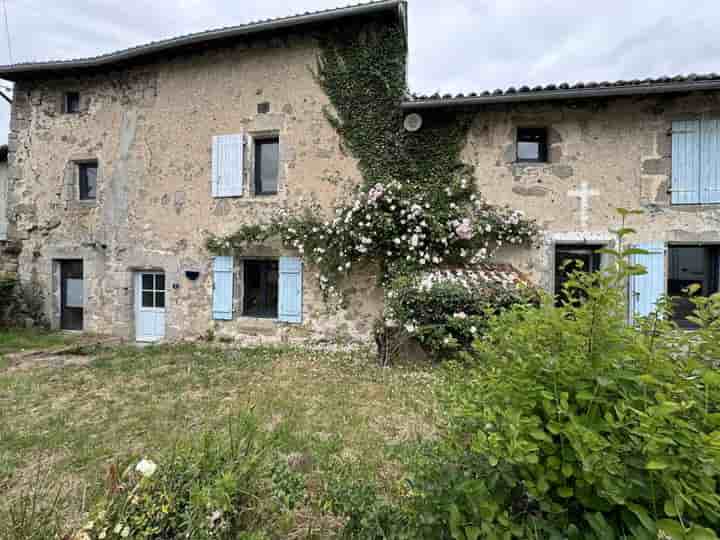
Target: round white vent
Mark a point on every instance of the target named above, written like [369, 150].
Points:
[413, 122]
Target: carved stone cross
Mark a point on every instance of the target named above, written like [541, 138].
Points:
[584, 195]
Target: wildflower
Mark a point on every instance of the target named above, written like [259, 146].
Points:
[464, 230]
[146, 468]
[125, 532]
[473, 330]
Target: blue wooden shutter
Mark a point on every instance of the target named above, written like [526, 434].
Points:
[290, 290]
[710, 162]
[223, 288]
[686, 162]
[648, 288]
[227, 165]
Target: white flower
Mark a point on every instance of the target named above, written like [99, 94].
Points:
[396, 241]
[464, 230]
[436, 260]
[146, 467]
[125, 532]
[410, 328]
[473, 330]
[214, 518]
[446, 340]
[414, 240]
[117, 528]
[460, 315]
[103, 534]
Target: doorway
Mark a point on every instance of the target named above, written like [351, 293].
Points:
[691, 265]
[149, 306]
[72, 295]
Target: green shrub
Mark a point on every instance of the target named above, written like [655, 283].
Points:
[569, 423]
[210, 488]
[447, 310]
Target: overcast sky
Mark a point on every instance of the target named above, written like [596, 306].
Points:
[456, 45]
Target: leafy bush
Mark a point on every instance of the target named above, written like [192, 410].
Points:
[447, 310]
[207, 489]
[569, 423]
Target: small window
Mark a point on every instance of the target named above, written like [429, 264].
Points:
[532, 144]
[260, 288]
[72, 102]
[87, 175]
[573, 258]
[267, 156]
[691, 265]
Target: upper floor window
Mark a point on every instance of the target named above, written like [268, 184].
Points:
[532, 144]
[71, 102]
[87, 175]
[267, 158]
[696, 161]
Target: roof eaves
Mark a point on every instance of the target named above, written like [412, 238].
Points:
[10, 72]
[561, 94]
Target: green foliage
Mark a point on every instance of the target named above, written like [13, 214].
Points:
[209, 488]
[572, 424]
[417, 206]
[447, 311]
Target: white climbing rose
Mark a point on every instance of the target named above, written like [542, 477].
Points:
[146, 467]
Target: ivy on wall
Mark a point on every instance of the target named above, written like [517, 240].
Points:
[417, 206]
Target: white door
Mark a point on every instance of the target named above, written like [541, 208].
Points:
[150, 306]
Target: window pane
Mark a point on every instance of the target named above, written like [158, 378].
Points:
[267, 155]
[88, 181]
[260, 284]
[147, 299]
[74, 293]
[147, 282]
[72, 102]
[528, 150]
[160, 282]
[159, 299]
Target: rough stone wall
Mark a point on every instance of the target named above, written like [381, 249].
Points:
[608, 153]
[3, 200]
[150, 128]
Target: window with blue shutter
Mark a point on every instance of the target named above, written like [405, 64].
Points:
[223, 288]
[227, 165]
[710, 162]
[290, 290]
[647, 289]
[686, 162]
[696, 161]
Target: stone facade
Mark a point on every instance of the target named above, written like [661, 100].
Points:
[603, 154]
[150, 129]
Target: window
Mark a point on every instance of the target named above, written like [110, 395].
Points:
[267, 154]
[691, 265]
[532, 144]
[260, 288]
[71, 102]
[696, 161]
[571, 258]
[87, 177]
[153, 291]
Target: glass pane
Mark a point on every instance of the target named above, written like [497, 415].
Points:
[147, 299]
[74, 293]
[147, 282]
[267, 156]
[88, 181]
[159, 299]
[160, 282]
[528, 150]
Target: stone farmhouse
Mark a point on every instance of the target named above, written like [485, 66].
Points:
[120, 164]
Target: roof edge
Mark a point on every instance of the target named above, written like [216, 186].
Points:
[13, 71]
[552, 95]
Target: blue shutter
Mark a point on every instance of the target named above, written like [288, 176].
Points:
[223, 288]
[648, 288]
[686, 162]
[290, 290]
[710, 162]
[227, 166]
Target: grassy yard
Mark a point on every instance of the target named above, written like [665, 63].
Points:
[18, 340]
[69, 423]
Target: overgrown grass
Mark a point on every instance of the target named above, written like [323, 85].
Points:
[76, 420]
[17, 339]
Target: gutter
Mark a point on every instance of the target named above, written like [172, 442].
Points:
[551, 95]
[7, 72]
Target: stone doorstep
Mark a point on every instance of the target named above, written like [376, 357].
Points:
[15, 358]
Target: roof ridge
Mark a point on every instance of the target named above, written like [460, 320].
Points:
[209, 34]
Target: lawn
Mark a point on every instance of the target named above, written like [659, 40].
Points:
[70, 423]
[20, 340]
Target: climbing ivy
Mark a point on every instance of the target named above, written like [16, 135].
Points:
[417, 206]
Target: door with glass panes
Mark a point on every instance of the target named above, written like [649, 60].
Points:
[150, 306]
